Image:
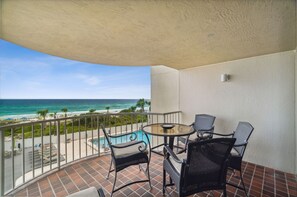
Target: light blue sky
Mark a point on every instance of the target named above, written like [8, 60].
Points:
[28, 74]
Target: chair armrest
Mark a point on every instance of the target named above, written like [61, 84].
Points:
[132, 144]
[242, 144]
[212, 128]
[127, 145]
[219, 134]
[171, 153]
[91, 191]
[132, 137]
[100, 192]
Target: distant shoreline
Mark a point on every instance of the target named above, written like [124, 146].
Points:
[59, 115]
[26, 109]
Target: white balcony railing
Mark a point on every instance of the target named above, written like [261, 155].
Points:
[32, 150]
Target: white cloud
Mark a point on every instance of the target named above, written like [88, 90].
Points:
[88, 79]
[54, 77]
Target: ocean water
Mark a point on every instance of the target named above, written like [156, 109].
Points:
[18, 108]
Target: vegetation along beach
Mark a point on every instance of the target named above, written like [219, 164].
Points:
[22, 110]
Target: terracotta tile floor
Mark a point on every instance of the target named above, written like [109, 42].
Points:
[260, 181]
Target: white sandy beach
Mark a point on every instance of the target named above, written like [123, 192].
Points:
[35, 117]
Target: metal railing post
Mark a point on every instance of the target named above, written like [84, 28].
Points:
[121, 125]
[98, 135]
[12, 157]
[2, 163]
[59, 144]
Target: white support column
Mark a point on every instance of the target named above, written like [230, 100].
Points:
[164, 89]
[2, 163]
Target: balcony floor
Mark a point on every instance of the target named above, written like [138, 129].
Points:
[259, 180]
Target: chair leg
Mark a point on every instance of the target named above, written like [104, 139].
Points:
[164, 182]
[243, 183]
[225, 193]
[148, 175]
[239, 186]
[109, 169]
[182, 151]
[114, 183]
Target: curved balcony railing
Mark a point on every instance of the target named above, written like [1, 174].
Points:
[32, 150]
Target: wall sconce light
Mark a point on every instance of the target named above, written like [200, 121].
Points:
[225, 77]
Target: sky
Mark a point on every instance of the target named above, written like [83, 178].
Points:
[28, 74]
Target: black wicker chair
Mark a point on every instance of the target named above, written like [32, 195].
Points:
[202, 168]
[127, 154]
[203, 126]
[242, 135]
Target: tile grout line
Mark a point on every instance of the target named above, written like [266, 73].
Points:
[274, 183]
[89, 173]
[251, 182]
[229, 178]
[239, 179]
[97, 164]
[288, 191]
[245, 167]
[51, 186]
[263, 181]
[72, 180]
[62, 182]
[146, 190]
[39, 188]
[81, 177]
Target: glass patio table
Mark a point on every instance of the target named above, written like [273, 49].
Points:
[167, 130]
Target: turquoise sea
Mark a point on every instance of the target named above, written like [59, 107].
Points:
[19, 108]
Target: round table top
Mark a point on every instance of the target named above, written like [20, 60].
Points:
[177, 129]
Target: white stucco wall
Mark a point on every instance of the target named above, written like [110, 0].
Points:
[261, 91]
[164, 89]
[295, 90]
[296, 109]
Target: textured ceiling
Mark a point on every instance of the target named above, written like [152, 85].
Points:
[179, 34]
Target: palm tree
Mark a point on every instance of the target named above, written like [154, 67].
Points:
[65, 110]
[149, 104]
[92, 110]
[140, 103]
[42, 113]
[133, 108]
[107, 108]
